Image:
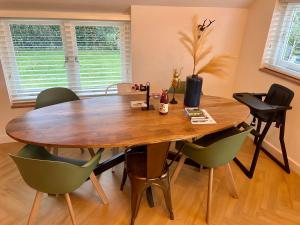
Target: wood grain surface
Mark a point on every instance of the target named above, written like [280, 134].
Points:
[109, 121]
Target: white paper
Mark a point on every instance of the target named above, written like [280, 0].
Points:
[138, 104]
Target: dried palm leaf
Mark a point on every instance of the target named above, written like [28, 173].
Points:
[187, 46]
[218, 65]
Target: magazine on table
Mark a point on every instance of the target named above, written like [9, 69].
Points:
[199, 116]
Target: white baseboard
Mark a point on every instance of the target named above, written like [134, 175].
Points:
[6, 139]
[294, 166]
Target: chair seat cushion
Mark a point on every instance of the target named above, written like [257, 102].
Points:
[38, 152]
[211, 138]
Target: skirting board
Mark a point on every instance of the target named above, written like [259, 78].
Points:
[294, 166]
[6, 139]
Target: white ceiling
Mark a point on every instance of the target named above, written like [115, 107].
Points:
[122, 6]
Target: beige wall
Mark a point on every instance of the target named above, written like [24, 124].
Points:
[6, 113]
[156, 49]
[249, 78]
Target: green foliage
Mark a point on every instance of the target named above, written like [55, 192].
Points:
[293, 42]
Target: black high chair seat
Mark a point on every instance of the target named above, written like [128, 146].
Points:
[268, 110]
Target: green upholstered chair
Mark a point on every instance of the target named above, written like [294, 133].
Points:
[180, 89]
[212, 151]
[56, 95]
[51, 174]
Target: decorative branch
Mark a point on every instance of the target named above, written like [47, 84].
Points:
[199, 50]
[203, 26]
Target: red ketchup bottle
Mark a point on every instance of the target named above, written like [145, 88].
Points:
[164, 103]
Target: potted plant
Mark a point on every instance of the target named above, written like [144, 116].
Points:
[199, 49]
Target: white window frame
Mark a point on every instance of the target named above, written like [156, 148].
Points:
[70, 50]
[278, 64]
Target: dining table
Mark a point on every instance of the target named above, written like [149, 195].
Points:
[110, 121]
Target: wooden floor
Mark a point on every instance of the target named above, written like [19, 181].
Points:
[271, 197]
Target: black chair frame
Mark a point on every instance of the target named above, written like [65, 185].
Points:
[275, 113]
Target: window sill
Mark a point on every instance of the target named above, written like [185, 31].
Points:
[280, 74]
[23, 105]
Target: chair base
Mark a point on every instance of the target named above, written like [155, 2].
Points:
[258, 140]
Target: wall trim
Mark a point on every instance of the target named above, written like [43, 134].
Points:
[294, 166]
[63, 15]
[6, 139]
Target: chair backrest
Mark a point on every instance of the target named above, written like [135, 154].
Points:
[279, 95]
[218, 153]
[180, 89]
[156, 159]
[54, 96]
[49, 176]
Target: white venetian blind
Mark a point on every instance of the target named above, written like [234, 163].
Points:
[282, 51]
[83, 56]
[103, 55]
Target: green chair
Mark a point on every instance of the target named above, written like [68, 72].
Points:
[180, 89]
[51, 174]
[212, 151]
[56, 95]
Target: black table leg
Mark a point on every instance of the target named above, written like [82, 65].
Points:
[150, 197]
[107, 164]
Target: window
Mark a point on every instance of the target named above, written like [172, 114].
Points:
[282, 52]
[83, 56]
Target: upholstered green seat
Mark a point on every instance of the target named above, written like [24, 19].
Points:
[212, 151]
[51, 174]
[53, 96]
[56, 95]
[180, 89]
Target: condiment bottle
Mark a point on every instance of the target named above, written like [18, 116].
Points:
[164, 103]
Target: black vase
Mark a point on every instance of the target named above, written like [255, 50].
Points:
[193, 91]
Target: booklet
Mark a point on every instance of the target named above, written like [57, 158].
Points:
[199, 116]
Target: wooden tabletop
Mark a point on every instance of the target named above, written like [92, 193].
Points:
[109, 121]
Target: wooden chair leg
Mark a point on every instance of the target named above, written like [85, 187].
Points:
[178, 169]
[91, 151]
[99, 189]
[209, 195]
[35, 207]
[231, 182]
[67, 196]
[82, 150]
[55, 151]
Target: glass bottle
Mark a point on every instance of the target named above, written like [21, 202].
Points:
[164, 103]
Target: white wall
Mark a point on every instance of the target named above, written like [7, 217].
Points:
[6, 113]
[249, 78]
[156, 49]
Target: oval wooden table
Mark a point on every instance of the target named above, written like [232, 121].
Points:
[109, 121]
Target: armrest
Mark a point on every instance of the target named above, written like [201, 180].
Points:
[281, 108]
[255, 103]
